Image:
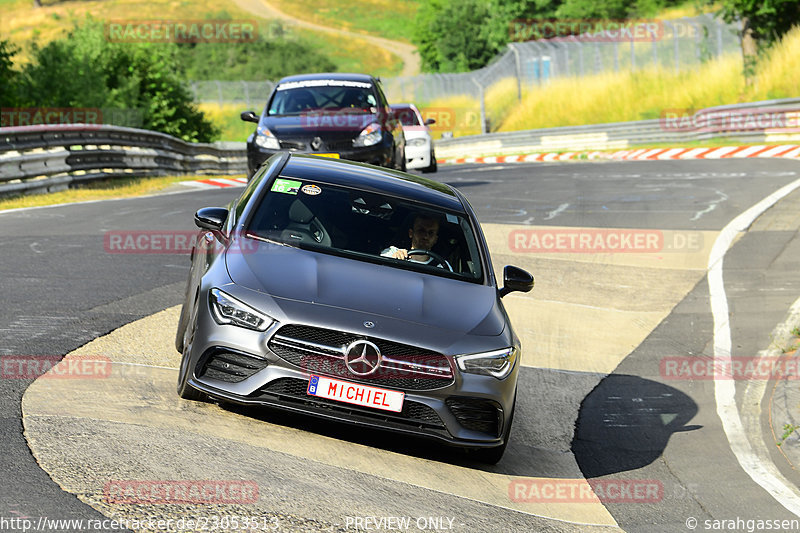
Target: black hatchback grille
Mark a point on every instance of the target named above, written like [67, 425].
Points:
[476, 414]
[230, 367]
[337, 146]
[293, 391]
[322, 351]
[292, 145]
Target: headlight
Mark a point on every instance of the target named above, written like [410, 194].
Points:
[228, 310]
[370, 135]
[497, 363]
[417, 142]
[266, 139]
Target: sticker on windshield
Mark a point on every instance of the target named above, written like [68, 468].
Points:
[323, 83]
[311, 189]
[286, 186]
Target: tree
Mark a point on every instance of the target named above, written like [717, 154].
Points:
[86, 70]
[763, 23]
[9, 78]
[459, 35]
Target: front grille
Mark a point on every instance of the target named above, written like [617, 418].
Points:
[292, 145]
[293, 391]
[322, 351]
[476, 414]
[230, 367]
[339, 146]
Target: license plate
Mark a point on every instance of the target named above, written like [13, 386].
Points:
[363, 395]
[334, 156]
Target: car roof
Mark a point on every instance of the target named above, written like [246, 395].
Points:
[373, 179]
[347, 76]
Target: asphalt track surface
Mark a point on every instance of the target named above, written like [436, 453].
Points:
[61, 289]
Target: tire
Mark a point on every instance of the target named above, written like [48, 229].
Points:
[433, 166]
[186, 391]
[493, 455]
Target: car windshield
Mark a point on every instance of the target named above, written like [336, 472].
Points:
[407, 116]
[294, 98]
[367, 226]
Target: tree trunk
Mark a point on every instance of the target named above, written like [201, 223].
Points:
[37, 3]
[749, 52]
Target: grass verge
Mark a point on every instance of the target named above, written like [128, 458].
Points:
[392, 19]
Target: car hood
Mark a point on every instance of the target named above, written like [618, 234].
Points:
[322, 125]
[416, 132]
[295, 278]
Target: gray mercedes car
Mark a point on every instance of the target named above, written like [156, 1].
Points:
[354, 293]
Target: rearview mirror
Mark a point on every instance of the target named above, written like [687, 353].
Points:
[515, 280]
[430, 121]
[249, 116]
[211, 218]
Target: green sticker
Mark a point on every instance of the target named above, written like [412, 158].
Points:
[286, 186]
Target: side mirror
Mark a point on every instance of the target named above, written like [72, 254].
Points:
[211, 218]
[430, 121]
[249, 116]
[515, 280]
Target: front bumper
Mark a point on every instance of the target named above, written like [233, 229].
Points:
[379, 155]
[469, 411]
[418, 156]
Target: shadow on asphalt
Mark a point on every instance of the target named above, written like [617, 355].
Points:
[626, 422]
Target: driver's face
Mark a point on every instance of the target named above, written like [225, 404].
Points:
[424, 234]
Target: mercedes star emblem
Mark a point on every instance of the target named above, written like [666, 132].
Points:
[362, 358]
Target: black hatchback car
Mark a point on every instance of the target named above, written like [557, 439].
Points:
[357, 294]
[334, 115]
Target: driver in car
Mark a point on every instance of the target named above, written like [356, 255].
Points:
[423, 234]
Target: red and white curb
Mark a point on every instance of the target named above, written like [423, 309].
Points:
[216, 183]
[790, 151]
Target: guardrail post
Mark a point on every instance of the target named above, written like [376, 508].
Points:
[483, 106]
[517, 71]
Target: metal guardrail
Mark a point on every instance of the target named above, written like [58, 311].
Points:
[47, 158]
[738, 122]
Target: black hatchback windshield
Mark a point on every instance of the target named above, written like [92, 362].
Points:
[293, 98]
[367, 226]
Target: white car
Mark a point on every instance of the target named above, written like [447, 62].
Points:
[419, 143]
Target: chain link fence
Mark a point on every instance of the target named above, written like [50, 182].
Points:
[677, 44]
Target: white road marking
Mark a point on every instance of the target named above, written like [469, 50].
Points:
[555, 212]
[711, 205]
[725, 389]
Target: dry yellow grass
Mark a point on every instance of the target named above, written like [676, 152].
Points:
[501, 98]
[625, 96]
[779, 77]
[458, 114]
[226, 117]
